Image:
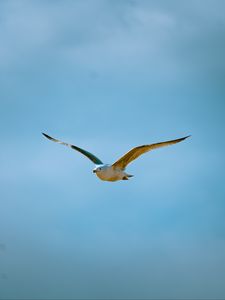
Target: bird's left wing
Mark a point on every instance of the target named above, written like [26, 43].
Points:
[134, 153]
[89, 155]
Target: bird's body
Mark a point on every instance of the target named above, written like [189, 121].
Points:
[116, 171]
[110, 173]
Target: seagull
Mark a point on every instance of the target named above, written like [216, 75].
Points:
[116, 171]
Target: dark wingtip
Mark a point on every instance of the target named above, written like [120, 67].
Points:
[47, 136]
[187, 136]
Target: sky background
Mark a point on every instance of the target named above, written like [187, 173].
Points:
[108, 76]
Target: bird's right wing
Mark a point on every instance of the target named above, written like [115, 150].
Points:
[89, 155]
[137, 151]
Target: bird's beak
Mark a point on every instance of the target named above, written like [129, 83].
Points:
[94, 171]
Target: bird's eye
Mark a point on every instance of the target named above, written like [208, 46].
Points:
[100, 169]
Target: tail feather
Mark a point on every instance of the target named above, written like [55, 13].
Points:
[127, 177]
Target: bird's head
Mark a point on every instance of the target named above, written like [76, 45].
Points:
[100, 168]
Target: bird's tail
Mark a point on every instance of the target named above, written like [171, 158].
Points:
[127, 176]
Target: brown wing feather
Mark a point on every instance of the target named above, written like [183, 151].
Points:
[137, 151]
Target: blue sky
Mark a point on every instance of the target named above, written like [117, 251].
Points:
[107, 76]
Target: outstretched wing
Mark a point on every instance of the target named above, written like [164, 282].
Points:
[89, 155]
[137, 151]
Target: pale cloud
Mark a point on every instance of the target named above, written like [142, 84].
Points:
[100, 35]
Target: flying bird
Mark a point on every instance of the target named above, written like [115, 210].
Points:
[116, 171]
